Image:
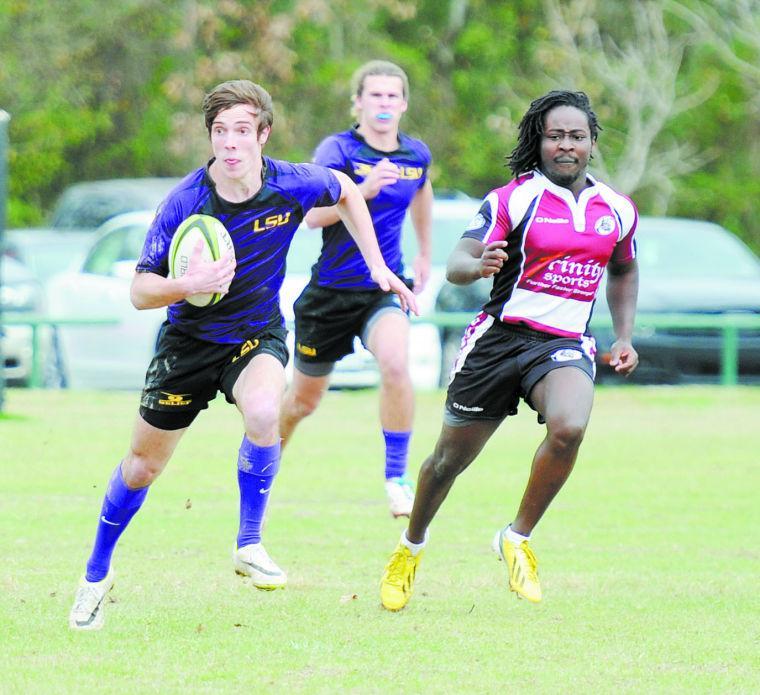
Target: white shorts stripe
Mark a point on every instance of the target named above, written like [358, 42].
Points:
[477, 328]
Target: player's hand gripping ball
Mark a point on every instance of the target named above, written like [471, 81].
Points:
[216, 242]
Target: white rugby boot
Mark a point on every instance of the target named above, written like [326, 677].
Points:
[253, 561]
[87, 612]
[400, 496]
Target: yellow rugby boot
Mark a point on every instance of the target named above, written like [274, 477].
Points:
[521, 565]
[398, 578]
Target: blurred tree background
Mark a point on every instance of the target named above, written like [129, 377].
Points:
[103, 90]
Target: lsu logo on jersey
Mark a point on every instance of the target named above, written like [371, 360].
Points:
[271, 221]
[175, 399]
[245, 348]
[410, 173]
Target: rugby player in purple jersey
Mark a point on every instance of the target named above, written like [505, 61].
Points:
[342, 300]
[236, 346]
[546, 239]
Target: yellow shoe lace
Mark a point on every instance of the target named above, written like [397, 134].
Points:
[396, 567]
[532, 562]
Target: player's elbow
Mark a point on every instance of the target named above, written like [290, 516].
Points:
[457, 276]
[138, 301]
[313, 220]
[138, 298]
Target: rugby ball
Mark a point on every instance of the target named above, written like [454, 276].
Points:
[216, 244]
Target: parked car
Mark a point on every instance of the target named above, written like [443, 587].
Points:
[686, 267]
[46, 252]
[88, 204]
[105, 356]
[20, 293]
[80, 210]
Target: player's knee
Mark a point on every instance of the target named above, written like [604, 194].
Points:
[141, 469]
[442, 467]
[394, 371]
[261, 417]
[304, 404]
[566, 435]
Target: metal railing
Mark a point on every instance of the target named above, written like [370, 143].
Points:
[36, 323]
[728, 324]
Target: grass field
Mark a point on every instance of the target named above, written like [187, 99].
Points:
[649, 557]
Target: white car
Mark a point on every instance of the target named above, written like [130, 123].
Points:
[451, 215]
[20, 295]
[116, 356]
[105, 356]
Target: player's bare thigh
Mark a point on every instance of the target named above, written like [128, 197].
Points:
[564, 397]
[387, 338]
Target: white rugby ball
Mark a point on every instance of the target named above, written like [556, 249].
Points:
[216, 243]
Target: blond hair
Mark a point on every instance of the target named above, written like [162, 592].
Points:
[378, 67]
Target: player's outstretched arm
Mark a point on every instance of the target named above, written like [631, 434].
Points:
[355, 215]
[472, 259]
[622, 292]
[151, 291]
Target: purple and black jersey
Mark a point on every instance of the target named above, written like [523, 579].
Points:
[261, 229]
[340, 264]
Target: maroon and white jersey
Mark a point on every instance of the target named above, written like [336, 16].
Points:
[557, 248]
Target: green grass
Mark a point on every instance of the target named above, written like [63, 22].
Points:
[649, 556]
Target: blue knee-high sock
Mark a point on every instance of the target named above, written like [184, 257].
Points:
[257, 467]
[120, 504]
[396, 453]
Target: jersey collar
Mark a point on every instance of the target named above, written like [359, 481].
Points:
[266, 170]
[386, 153]
[566, 193]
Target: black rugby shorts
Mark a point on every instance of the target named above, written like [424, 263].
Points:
[186, 373]
[328, 320]
[498, 364]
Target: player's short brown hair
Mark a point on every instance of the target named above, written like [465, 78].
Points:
[228, 94]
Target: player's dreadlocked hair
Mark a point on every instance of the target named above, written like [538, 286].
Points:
[527, 154]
